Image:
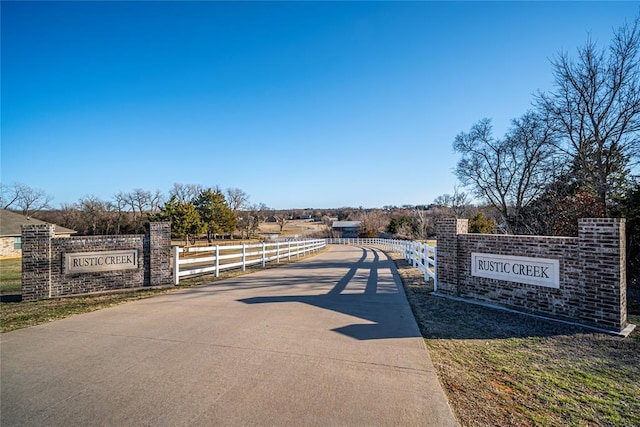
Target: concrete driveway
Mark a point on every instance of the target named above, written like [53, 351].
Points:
[328, 341]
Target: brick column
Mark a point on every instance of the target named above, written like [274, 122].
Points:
[160, 253]
[447, 230]
[602, 254]
[36, 261]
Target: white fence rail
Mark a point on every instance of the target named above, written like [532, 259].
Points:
[213, 259]
[420, 255]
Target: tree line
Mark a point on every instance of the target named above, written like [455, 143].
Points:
[191, 208]
[195, 210]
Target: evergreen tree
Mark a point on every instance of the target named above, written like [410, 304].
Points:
[481, 224]
[215, 212]
[184, 218]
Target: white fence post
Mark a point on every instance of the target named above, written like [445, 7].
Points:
[413, 253]
[425, 262]
[176, 265]
[217, 260]
[435, 269]
[244, 256]
[264, 253]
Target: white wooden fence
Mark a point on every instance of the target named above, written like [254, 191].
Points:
[420, 255]
[213, 259]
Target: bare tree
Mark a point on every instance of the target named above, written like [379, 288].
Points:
[70, 216]
[563, 201]
[156, 200]
[26, 199]
[405, 231]
[595, 108]
[120, 205]
[138, 203]
[510, 172]
[8, 195]
[422, 223]
[282, 221]
[457, 204]
[185, 193]
[237, 199]
[249, 220]
[374, 222]
[96, 216]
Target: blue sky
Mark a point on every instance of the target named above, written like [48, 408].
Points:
[299, 104]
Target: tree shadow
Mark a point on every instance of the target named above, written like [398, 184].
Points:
[379, 300]
[444, 318]
[441, 317]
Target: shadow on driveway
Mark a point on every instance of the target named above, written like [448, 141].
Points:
[369, 290]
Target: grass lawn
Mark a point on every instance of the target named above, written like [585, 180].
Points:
[506, 369]
[10, 276]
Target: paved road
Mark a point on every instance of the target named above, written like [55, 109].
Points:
[329, 341]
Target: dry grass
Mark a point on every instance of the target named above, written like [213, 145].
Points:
[10, 276]
[293, 228]
[505, 369]
[302, 228]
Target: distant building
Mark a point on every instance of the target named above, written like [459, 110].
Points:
[346, 229]
[11, 232]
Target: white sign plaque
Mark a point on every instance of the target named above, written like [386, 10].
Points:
[89, 262]
[533, 271]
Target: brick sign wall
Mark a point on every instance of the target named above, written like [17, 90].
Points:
[520, 272]
[55, 267]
